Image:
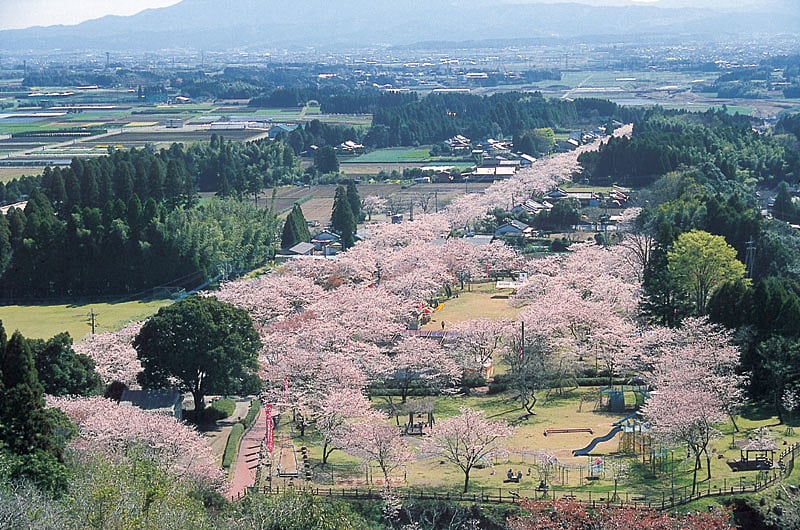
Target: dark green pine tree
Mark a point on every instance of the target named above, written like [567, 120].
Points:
[342, 219]
[295, 229]
[354, 199]
[26, 426]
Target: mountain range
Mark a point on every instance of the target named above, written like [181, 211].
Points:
[270, 24]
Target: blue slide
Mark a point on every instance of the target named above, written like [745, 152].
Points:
[613, 432]
[588, 449]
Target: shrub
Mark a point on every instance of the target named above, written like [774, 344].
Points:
[232, 446]
[223, 408]
[252, 414]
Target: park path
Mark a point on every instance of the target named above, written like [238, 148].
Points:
[248, 457]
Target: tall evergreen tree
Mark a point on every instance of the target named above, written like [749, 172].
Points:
[342, 218]
[354, 199]
[26, 428]
[295, 229]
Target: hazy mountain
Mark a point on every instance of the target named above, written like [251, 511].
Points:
[254, 24]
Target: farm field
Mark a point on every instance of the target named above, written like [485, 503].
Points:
[405, 154]
[44, 321]
[317, 201]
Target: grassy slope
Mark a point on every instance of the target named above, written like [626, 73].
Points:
[44, 321]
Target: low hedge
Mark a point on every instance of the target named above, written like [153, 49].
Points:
[252, 414]
[232, 446]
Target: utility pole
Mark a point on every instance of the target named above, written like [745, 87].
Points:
[92, 320]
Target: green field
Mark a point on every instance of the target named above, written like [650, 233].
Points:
[399, 155]
[44, 321]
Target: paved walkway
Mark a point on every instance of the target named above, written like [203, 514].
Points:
[247, 460]
[217, 435]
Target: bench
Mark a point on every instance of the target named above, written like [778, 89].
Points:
[562, 431]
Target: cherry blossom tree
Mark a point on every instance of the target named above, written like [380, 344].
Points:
[336, 409]
[466, 439]
[374, 440]
[113, 429]
[113, 354]
[477, 340]
[373, 204]
[558, 514]
[270, 296]
[423, 362]
[694, 373]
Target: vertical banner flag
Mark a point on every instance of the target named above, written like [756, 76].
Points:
[270, 434]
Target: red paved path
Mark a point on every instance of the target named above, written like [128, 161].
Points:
[244, 472]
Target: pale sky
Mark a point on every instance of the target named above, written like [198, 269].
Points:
[27, 13]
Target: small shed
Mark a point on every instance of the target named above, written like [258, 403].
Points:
[302, 249]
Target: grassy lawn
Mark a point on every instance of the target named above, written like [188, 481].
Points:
[652, 479]
[44, 321]
[480, 300]
[395, 155]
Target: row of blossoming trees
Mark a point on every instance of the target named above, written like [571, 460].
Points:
[334, 328]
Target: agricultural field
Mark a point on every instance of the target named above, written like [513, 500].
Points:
[44, 321]
[396, 155]
[317, 201]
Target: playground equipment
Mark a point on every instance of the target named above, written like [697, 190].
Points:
[612, 398]
[617, 428]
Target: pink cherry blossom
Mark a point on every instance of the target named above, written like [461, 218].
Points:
[112, 428]
[113, 354]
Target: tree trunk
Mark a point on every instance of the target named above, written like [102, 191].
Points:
[199, 402]
[466, 480]
[326, 451]
[694, 473]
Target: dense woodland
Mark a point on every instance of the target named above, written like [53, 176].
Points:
[441, 116]
[664, 141]
[132, 220]
[712, 167]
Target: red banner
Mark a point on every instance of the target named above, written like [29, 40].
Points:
[270, 434]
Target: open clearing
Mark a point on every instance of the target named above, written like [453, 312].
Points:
[45, 321]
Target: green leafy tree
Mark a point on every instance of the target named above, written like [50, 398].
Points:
[61, 371]
[700, 262]
[325, 160]
[295, 229]
[207, 345]
[342, 218]
[32, 448]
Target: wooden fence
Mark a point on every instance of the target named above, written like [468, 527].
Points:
[666, 499]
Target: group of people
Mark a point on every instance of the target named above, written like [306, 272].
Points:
[513, 477]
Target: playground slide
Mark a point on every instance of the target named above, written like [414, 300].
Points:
[626, 418]
[588, 449]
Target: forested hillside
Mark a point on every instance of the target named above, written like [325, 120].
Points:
[664, 141]
[131, 220]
